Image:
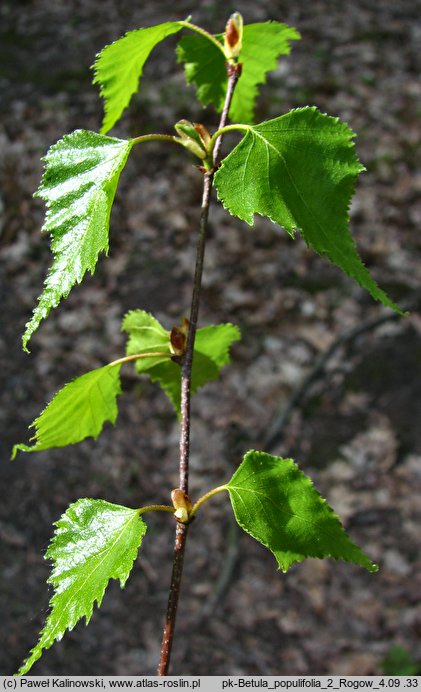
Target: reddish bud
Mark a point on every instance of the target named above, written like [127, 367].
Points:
[178, 341]
[178, 337]
[232, 34]
[203, 133]
[190, 138]
[233, 37]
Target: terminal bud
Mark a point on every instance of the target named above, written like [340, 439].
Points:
[233, 37]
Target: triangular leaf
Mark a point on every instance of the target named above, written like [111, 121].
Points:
[79, 410]
[262, 45]
[279, 506]
[79, 184]
[211, 353]
[95, 541]
[306, 167]
[119, 66]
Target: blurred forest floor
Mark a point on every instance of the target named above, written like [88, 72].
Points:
[356, 430]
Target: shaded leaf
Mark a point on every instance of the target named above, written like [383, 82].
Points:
[94, 541]
[262, 45]
[79, 184]
[299, 170]
[211, 353]
[118, 67]
[146, 335]
[204, 66]
[215, 342]
[168, 376]
[79, 410]
[279, 506]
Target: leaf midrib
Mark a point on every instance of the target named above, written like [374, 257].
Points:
[308, 522]
[329, 240]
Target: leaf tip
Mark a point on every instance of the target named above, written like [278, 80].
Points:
[25, 339]
[105, 127]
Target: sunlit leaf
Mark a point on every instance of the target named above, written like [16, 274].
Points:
[95, 541]
[119, 66]
[79, 184]
[77, 411]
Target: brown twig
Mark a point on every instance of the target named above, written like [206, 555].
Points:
[234, 72]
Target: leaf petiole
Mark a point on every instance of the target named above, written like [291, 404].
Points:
[154, 137]
[222, 130]
[205, 498]
[156, 508]
[136, 356]
[167, 508]
[206, 34]
[165, 138]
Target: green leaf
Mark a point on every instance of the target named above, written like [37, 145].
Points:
[399, 662]
[305, 166]
[79, 410]
[204, 66]
[211, 353]
[262, 45]
[119, 66]
[79, 184]
[168, 376]
[214, 342]
[278, 505]
[146, 335]
[95, 541]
